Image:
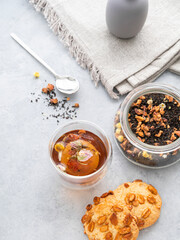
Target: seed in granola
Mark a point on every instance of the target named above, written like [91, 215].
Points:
[125, 230]
[114, 219]
[135, 203]
[117, 209]
[131, 197]
[127, 236]
[151, 199]
[104, 228]
[141, 199]
[146, 213]
[91, 226]
[85, 219]
[118, 236]
[127, 220]
[101, 220]
[108, 236]
[152, 189]
[140, 222]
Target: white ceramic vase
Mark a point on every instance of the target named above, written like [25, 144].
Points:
[125, 18]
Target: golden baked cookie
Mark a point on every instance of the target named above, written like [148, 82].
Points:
[107, 219]
[142, 200]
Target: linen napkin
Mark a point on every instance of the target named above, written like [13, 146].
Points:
[119, 64]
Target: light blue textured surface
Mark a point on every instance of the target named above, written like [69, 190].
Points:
[33, 204]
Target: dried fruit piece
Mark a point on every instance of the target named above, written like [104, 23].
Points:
[125, 230]
[50, 87]
[159, 133]
[169, 98]
[151, 199]
[96, 200]
[101, 220]
[76, 105]
[141, 134]
[114, 219]
[108, 236]
[91, 226]
[44, 90]
[139, 118]
[138, 111]
[142, 97]
[177, 133]
[81, 131]
[152, 189]
[54, 100]
[88, 207]
[127, 220]
[104, 228]
[146, 213]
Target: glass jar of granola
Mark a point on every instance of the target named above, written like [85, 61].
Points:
[147, 126]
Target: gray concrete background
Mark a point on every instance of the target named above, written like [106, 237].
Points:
[33, 204]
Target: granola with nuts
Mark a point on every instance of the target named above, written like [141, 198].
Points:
[118, 214]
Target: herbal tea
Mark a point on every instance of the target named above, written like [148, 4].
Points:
[79, 153]
[155, 119]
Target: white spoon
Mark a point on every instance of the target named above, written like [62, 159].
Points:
[66, 85]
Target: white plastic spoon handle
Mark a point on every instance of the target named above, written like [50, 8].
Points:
[30, 51]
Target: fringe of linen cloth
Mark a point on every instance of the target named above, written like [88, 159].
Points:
[64, 35]
[158, 66]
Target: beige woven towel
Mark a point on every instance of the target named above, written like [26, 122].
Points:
[118, 64]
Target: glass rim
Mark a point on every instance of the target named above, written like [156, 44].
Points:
[130, 98]
[109, 153]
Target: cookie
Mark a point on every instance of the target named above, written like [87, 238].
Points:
[142, 200]
[107, 219]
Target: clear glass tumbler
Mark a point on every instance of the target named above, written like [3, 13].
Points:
[82, 182]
